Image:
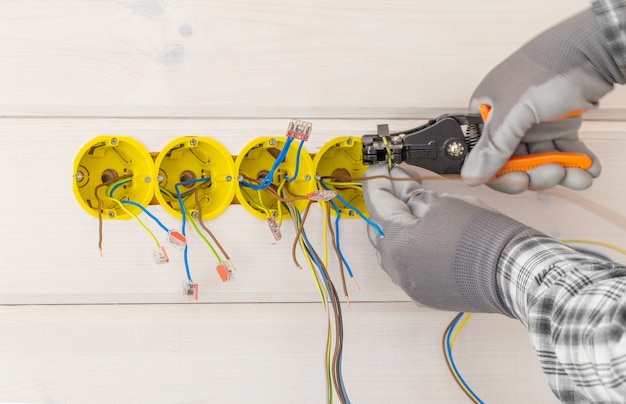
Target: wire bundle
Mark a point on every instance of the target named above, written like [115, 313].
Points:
[447, 343]
[317, 264]
[111, 187]
[225, 266]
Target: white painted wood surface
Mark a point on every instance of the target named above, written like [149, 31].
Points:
[79, 328]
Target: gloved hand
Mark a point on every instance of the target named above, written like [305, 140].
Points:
[443, 250]
[564, 69]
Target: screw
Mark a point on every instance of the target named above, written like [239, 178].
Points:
[195, 215]
[455, 149]
[147, 179]
[349, 142]
[111, 214]
[307, 178]
[79, 176]
[318, 177]
[113, 141]
[229, 178]
[240, 178]
[272, 142]
[160, 178]
[193, 142]
[351, 213]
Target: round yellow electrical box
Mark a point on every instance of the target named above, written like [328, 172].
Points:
[104, 160]
[205, 172]
[337, 160]
[254, 163]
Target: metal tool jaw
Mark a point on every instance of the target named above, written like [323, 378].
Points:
[440, 145]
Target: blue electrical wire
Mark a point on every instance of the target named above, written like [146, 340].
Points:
[267, 181]
[146, 211]
[182, 211]
[119, 185]
[140, 206]
[295, 174]
[451, 360]
[337, 217]
[358, 212]
[331, 290]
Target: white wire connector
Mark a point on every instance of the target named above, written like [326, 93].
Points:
[299, 129]
[176, 239]
[274, 228]
[321, 195]
[160, 255]
[225, 270]
[190, 289]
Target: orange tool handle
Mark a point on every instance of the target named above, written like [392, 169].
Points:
[530, 161]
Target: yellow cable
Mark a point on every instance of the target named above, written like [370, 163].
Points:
[448, 359]
[458, 328]
[279, 191]
[259, 204]
[593, 242]
[325, 214]
[121, 205]
[390, 163]
[329, 374]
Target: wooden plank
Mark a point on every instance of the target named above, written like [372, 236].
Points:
[49, 248]
[277, 58]
[255, 353]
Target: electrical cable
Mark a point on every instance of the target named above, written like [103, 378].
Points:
[447, 349]
[143, 226]
[295, 173]
[298, 234]
[184, 217]
[598, 243]
[358, 212]
[267, 181]
[147, 212]
[334, 298]
[99, 207]
[204, 227]
[255, 203]
[296, 218]
[207, 242]
[332, 235]
[338, 244]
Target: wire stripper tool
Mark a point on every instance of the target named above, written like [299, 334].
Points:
[441, 146]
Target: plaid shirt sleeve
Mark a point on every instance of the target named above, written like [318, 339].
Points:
[611, 15]
[574, 307]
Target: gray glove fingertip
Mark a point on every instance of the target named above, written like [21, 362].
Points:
[545, 176]
[511, 183]
[577, 179]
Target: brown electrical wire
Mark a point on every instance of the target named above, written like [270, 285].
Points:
[204, 227]
[95, 191]
[338, 328]
[298, 233]
[443, 347]
[341, 269]
[273, 192]
[333, 297]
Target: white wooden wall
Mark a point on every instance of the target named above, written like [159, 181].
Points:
[77, 328]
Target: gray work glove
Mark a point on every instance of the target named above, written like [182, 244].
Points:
[442, 251]
[564, 69]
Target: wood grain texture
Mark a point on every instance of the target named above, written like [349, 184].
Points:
[254, 353]
[250, 59]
